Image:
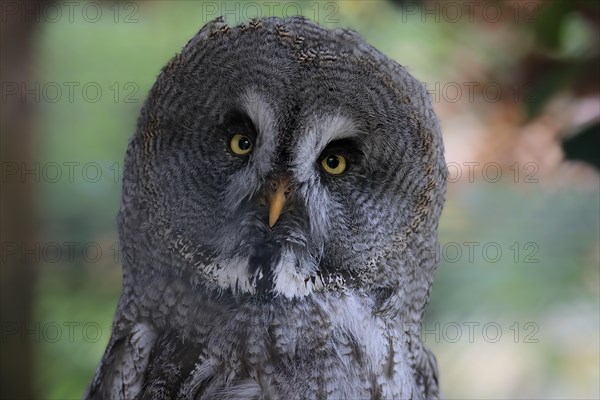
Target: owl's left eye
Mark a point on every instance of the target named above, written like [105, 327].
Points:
[334, 164]
[240, 144]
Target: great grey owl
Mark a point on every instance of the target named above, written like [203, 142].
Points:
[281, 198]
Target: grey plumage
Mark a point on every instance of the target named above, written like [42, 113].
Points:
[326, 303]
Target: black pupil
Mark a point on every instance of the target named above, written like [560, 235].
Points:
[244, 143]
[333, 162]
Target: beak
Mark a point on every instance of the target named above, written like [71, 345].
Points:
[277, 198]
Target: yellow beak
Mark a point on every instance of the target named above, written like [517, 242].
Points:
[277, 199]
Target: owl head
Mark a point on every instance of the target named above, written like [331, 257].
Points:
[281, 159]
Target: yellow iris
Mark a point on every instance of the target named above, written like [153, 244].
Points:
[240, 144]
[334, 164]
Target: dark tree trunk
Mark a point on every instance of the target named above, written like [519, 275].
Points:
[17, 211]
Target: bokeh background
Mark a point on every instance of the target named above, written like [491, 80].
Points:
[515, 307]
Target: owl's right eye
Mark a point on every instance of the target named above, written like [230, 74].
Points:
[240, 144]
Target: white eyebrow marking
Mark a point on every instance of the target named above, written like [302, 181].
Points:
[336, 127]
[258, 109]
[319, 134]
[262, 116]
